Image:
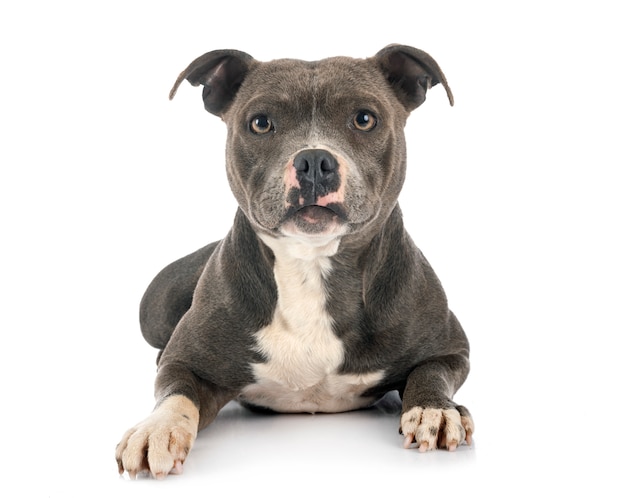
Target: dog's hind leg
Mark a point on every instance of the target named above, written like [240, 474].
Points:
[169, 295]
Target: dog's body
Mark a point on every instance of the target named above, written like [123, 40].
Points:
[317, 300]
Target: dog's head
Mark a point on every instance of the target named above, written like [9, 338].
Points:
[315, 150]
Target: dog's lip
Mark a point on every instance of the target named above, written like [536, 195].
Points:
[313, 219]
[315, 213]
[317, 210]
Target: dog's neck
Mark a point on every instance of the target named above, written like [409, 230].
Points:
[301, 248]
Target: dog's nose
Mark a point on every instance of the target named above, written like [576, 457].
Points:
[315, 165]
[317, 175]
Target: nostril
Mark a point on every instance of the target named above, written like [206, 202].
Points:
[326, 165]
[301, 164]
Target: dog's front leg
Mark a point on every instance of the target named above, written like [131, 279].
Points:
[429, 416]
[161, 442]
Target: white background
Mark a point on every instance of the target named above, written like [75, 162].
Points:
[516, 196]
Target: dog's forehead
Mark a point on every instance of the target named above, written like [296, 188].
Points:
[291, 79]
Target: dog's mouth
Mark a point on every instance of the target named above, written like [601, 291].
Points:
[315, 220]
[319, 214]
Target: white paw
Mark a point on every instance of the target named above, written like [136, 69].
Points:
[431, 428]
[160, 443]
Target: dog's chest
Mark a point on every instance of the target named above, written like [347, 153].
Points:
[302, 351]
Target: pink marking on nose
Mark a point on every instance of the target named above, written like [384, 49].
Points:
[290, 177]
[332, 198]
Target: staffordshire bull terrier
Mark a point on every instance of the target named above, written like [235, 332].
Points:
[317, 299]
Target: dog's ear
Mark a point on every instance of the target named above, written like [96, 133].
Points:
[411, 72]
[221, 72]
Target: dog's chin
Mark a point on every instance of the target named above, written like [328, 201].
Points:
[314, 222]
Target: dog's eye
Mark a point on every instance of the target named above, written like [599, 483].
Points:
[261, 124]
[364, 121]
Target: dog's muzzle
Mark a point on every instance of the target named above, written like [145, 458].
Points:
[315, 195]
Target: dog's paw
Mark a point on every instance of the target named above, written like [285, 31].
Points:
[160, 443]
[434, 428]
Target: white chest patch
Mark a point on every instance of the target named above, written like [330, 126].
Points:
[303, 353]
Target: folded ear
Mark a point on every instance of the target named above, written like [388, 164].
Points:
[411, 73]
[221, 72]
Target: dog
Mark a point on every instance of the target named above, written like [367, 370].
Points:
[317, 299]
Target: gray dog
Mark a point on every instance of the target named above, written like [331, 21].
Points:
[317, 299]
